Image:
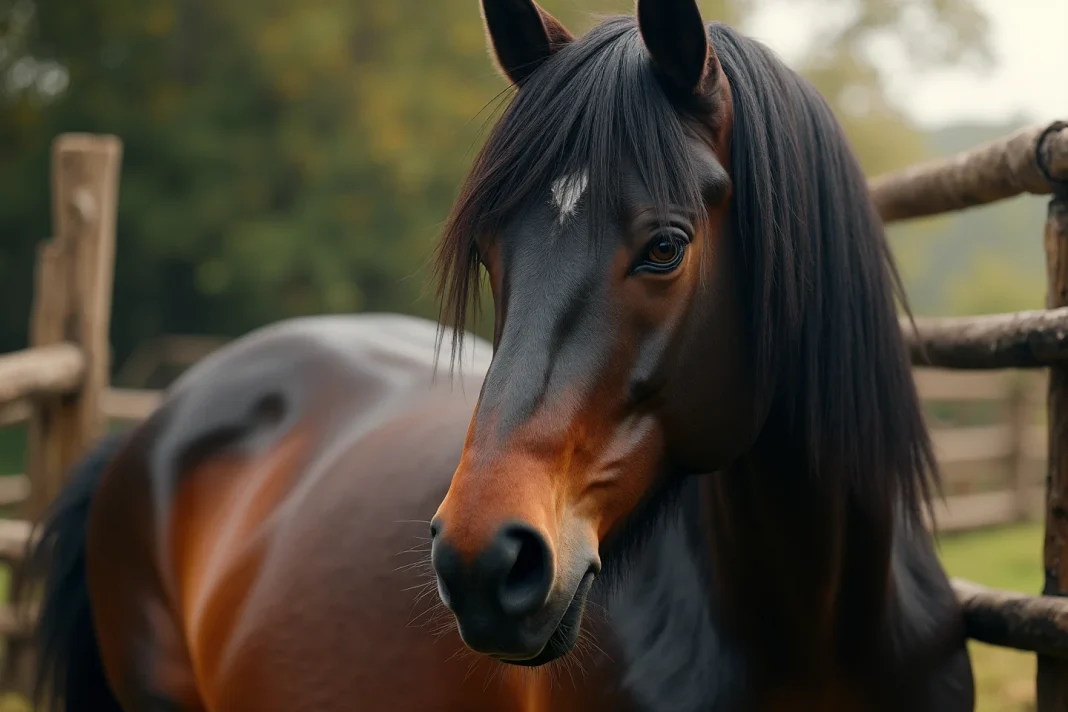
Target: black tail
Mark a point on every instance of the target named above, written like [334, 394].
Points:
[70, 673]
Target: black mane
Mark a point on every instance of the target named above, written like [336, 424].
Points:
[833, 373]
[823, 283]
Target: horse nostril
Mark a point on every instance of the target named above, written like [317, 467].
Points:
[434, 529]
[526, 583]
[512, 574]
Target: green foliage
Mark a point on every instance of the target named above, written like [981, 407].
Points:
[995, 285]
[286, 158]
[12, 449]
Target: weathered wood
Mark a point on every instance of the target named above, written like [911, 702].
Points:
[85, 174]
[1028, 339]
[942, 384]
[968, 512]
[15, 412]
[14, 489]
[1052, 679]
[1015, 620]
[49, 443]
[46, 370]
[994, 171]
[14, 534]
[73, 303]
[130, 404]
[988, 442]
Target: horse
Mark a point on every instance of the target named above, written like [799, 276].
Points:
[689, 472]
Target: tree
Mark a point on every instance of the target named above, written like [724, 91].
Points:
[286, 157]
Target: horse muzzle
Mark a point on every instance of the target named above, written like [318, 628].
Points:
[506, 595]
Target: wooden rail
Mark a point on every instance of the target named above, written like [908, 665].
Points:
[995, 171]
[44, 371]
[1029, 339]
[1015, 620]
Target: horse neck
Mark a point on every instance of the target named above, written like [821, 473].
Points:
[800, 566]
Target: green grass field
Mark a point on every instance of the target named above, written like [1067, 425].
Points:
[12, 447]
[1008, 558]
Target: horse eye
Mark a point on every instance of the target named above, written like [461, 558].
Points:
[663, 254]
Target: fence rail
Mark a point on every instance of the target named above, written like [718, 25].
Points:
[1030, 339]
[43, 371]
[1023, 162]
[1015, 620]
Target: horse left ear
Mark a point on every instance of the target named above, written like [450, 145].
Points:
[523, 35]
[677, 40]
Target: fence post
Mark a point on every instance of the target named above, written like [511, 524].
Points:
[1052, 679]
[72, 303]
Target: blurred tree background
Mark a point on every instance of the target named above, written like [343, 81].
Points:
[288, 157]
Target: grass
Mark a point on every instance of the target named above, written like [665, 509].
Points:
[12, 449]
[1008, 558]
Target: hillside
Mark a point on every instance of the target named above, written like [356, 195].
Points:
[983, 260]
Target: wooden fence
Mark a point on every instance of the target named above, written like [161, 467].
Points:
[59, 385]
[1034, 160]
[990, 439]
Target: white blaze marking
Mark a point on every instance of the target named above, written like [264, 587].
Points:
[567, 191]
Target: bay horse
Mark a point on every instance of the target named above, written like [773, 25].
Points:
[690, 476]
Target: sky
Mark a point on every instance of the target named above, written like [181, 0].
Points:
[1028, 79]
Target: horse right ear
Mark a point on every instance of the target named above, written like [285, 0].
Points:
[522, 35]
[677, 40]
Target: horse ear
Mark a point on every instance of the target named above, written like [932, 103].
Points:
[523, 35]
[677, 40]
